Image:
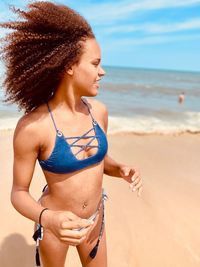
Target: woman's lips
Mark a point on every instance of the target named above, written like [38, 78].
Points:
[96, 84]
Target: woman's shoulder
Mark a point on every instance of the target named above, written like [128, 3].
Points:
[30, 123]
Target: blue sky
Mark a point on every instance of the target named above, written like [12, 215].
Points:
[162, 34]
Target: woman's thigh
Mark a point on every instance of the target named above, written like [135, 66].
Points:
[100, 260]
[52, 251]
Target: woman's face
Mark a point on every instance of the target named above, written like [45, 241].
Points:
[88, 72]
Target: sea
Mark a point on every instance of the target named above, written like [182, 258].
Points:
[140, 101]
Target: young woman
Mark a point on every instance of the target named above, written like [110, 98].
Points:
[53, 60]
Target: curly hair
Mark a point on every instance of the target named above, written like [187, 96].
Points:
[46, 41]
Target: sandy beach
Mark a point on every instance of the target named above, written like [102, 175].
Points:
[159, 229]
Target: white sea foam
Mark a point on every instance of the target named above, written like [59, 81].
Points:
[8, 123]
[138, 125]
[147, 125]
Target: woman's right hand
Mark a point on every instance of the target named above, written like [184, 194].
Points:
[64, 225]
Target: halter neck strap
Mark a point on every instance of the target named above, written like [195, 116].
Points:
[84, 101]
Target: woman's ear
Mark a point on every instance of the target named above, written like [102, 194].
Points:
[69, 71]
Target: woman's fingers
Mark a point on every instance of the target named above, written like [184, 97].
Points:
[75, 237]
[137, 184]
[69, 227]
[74, 232]
[140, 191]
[135, 175]
[76, 224]
[136, 181]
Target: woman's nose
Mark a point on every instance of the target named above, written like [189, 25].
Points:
[101, 72]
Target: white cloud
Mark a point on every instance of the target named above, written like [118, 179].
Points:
[181, 26]
[191, 24]
[109, 12]
[151, 40]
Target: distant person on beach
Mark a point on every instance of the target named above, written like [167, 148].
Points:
[181, 98]
[53, 63]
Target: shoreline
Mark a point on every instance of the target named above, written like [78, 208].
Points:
[138, 124]
[129, 133]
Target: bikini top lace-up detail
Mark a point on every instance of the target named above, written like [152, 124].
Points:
[63, 160]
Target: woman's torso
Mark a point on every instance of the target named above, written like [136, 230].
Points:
[78, 191]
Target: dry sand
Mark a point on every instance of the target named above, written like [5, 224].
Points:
[160, 229]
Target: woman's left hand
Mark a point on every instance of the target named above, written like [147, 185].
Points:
[132, 176]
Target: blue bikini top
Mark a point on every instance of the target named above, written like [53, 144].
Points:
[63, 160]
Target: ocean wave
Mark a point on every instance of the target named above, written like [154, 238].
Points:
[140, 124]
[150, 125]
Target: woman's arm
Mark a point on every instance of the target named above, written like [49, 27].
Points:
[26, 147]
[128, 173]
[111, 167]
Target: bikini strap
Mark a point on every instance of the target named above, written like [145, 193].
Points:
[86, 103]
[52, 117]
[51, 114]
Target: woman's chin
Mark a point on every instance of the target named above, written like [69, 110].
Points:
[92, 93]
